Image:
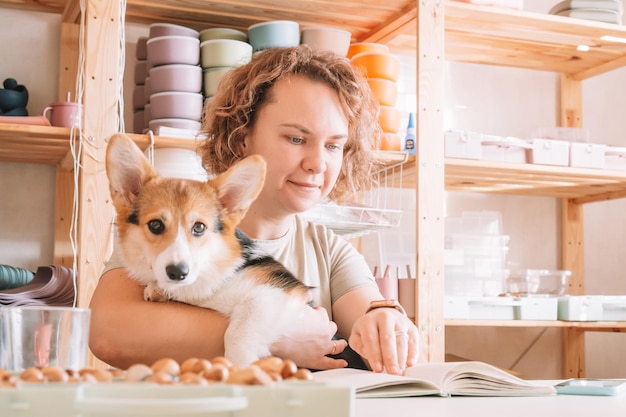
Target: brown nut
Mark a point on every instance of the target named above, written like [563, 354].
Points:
[289, 368]
[32, 375]
[191, 378]
[168, 365]
[138, 372]
[202, 365]
[187, 365]
[271, 364]
[222, 360]
[218, 372]
[252, 375]
[161, 377]
[55, 374]
[102, 375]
[304, 374]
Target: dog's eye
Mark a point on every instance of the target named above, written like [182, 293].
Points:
[198, 229]
[156, 227]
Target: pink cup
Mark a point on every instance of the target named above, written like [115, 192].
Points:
[65, 114]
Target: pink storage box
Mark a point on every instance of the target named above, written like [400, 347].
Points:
[549, 152]
[615, 158]
[587, 155]
[504, 149]
[460, 144]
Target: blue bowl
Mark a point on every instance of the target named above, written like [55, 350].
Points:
[274, 34]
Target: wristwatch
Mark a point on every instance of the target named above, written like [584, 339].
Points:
[386, 304]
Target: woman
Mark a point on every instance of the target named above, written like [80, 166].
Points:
[314, 120]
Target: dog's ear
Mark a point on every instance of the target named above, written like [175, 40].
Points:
[127, 169]
[238, 187]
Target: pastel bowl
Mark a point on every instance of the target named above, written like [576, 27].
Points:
[326, 39]
[139, 100]
[378, 65]
[358, 47]
[174, 122]
[223, 33]
[165, 50]
[274, 34]
[212, 78]
[176, 104]
[224, 53]
[141, 50]
[170, 29]
[176, 77]
[139, 121]
[389, 119]
[384, 90]
[141, 72]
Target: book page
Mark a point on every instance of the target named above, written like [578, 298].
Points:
[369, 384]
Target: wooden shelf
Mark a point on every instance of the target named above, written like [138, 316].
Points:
[499, 36]
[33, 143]
[597, 326]
[581, 184]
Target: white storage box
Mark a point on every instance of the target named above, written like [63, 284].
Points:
[537, 282]
[570, 134]
[614, 308]
[500, 308]
[460, 144]
[504, 149]
[580, 308]
[615, 158]
[301, 398]
[549, 152]
[587, 155]
[538, 308]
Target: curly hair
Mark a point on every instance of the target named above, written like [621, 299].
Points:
[242, 92]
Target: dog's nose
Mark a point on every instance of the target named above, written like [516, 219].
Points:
[177, 272]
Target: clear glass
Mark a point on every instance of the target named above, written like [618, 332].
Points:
[43, 336]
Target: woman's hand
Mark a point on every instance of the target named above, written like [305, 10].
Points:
[308, 343]
[386, 339]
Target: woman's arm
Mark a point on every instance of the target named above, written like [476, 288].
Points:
[126, 330]
[385, 338]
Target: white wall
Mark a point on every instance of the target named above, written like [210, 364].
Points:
[496, 100]
[30, 55]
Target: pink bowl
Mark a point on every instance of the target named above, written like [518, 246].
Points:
[176, 77]
[170, 29]
[165, 50]
[176, 104]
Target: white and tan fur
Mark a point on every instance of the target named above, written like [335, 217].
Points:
[179, 238]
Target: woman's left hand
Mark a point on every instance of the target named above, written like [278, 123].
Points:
[387, 339]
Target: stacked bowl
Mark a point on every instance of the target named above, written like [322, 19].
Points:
[274, 34]
[326, 39]
[382, 70]
[172, 88]
[221, 49]
[141, 73]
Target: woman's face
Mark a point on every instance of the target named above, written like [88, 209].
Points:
[301, 132]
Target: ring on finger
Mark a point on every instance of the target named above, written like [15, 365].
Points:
[401, 333]
[332, 352]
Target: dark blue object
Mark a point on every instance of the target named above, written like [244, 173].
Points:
[13, 98]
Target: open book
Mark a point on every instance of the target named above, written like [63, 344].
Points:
[443, 379]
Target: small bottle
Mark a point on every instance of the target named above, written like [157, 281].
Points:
[409, 139]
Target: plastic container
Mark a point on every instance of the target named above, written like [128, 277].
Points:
[587, 155]
[43, 336]
[504, 149]
[549, 152]
[538, 282]
[464, 145]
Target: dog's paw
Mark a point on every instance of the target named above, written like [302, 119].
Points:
[152, 293]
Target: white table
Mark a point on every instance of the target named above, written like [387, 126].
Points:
[558, 406]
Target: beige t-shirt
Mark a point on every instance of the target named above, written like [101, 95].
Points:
[316, 256]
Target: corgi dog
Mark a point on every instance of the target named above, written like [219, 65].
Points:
[179, 239]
